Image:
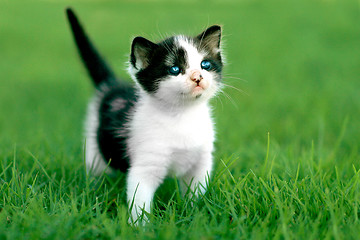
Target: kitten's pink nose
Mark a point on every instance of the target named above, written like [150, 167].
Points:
[196, 76]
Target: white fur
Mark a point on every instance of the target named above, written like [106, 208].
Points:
[179, 141]
[95, 164]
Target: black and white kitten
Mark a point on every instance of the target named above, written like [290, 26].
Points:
[161, 126]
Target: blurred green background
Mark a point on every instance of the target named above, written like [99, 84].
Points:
[297, 65]
[294, 71]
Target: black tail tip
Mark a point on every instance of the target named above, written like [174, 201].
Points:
[69, 12]
[71, 16]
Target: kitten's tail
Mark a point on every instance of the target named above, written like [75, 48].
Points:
[96, 66]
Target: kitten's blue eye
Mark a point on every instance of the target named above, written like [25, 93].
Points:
[206, 65]
[174, 70]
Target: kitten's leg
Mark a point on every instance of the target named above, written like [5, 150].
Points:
[142, 182]
[197, 178]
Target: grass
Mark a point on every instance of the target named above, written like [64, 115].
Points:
[287, 158]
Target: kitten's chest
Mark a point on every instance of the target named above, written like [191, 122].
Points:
[186, 130]
[183, 160]
[187, 139]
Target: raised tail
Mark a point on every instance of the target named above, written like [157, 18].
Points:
[96, 66]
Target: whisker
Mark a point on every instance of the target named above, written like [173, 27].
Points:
[237, 78]
[229, 98]
[219, 99]
[238, 89]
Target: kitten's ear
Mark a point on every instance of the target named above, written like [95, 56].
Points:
[210, 38]
[141, 50]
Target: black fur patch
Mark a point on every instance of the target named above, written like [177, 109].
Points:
[112, 134]
[158, 67]
[209, 40]
[141, 51]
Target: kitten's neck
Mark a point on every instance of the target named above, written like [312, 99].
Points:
[173, 108]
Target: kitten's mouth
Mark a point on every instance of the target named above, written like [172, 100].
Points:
[197, 91]
[198, 88]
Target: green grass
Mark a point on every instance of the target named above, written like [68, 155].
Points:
[287, 152]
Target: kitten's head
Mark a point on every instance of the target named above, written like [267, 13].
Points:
[179, 69]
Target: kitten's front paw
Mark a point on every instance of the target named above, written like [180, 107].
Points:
[137, 216]
[140, 221]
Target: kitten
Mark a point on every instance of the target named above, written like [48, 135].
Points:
[161, 126]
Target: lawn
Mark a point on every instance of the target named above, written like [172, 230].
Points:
[287, 160]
